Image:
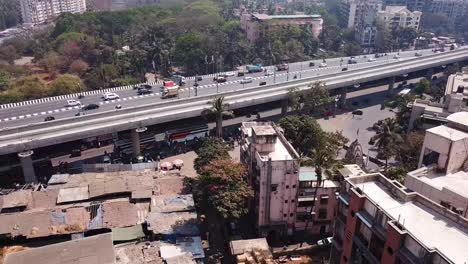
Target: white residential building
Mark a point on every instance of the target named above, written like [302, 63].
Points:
[443, 165]
[42, 11]
[400, 16]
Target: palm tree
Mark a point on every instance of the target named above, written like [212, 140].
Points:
[217, 108]
[387, 141]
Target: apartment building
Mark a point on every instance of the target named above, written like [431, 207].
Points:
[285, 193]
[273, 167]
[381, 221]
[256, 25]
[413, 5]
[428, 114]
[442, 175]
[400, 16]
[361, 15]
[320, 220]
[43, 11]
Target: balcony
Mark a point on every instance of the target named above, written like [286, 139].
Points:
[344, 198]
[363, 250]
[407, 257]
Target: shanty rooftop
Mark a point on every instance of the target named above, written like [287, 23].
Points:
[97, 249]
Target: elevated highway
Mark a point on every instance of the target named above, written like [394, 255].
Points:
[28, 137]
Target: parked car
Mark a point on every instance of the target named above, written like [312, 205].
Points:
[111, 96]
[396, 57]
[262, 83]
[240, 74]
[73, 102]
[323, 64]
[269, 73]
[370, 59]
[49, 118]
[418, 54]
[199, 78]
[325, 241]
[344, 69]
[246, 80]
[311, 64]
[90, 107]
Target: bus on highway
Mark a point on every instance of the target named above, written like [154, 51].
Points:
[187, 133]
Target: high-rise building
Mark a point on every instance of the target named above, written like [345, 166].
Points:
[42, 11]
[413, 5]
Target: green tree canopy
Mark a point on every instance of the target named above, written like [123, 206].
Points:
[67, 84]
[210, 150]
[221, 186]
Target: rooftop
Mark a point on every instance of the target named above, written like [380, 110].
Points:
[247, 245]
[264, 130]
[307, 174]
[177, 223]
[428, 224]
[460, 118]
[448, 133]
[268, 17]
[351, 170]
[96, 249]
[172, 203]
[455, 182]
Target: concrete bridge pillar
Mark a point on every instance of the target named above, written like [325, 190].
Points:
[342, 100]
[391, 85]
[284, 107]
[429, 74]
[135, 133]
[27, 165]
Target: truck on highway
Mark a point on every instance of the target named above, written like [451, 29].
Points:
[169, 89]
[254, 68]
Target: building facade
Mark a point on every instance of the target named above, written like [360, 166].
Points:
[43, 11]
[256, 25]
[400, 16]
[427, 114]
[442, 175]
[319, 220]
[284, 191]
[381, 221]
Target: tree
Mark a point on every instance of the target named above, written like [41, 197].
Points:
[387, 142]
[303, 132]
[210, 150]
[31, 87]
[409, 150]
[66, 84]
[9, 54]
[221, 186]
[218, 108]
[53, 63]
[352, 49]
[383, 38]
[189, 52]
[422, 86]
[5, 78]
[330, 38]
[316, 99]
[403, 37]
[78, 67]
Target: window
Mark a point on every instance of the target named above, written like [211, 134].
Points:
[294, 186]
[322, 213]
[292, 201]
[274, 187]
[305, 184]
[285, 201]
[291, 214]
[445, 204]
[323, 199]
[285, 215]
[287, 186]
[305, 203]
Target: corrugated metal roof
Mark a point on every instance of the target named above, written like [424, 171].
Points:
[73, 194]
[97, 249]
[127, 233]
[172, 203]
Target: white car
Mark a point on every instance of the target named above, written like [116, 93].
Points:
[371, 59]
[230, 74]
[72, 102]
[396, 57]
[269, 73]
[322, 65]
[325, 241]
[111, 96]
[246, 80]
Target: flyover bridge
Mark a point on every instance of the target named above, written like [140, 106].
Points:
[23, 139]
